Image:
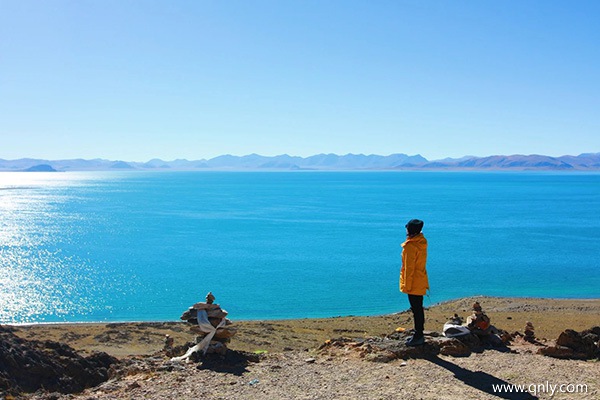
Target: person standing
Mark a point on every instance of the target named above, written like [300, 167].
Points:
[413, 276]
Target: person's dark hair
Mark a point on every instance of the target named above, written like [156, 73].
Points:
[414, 227]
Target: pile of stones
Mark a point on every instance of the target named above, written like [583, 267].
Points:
[217, 318]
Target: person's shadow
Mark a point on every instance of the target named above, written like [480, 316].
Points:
[482, 381]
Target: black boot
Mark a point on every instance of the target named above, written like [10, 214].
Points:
[416, 340]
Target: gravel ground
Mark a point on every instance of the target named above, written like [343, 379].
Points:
[294, 375]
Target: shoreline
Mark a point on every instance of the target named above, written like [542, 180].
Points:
[549, 316]
[433, 305]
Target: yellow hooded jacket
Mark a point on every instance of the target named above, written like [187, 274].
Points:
[413, 275]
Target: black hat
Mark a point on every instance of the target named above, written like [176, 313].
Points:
[414, 226]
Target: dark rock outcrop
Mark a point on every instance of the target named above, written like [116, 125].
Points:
[394, 346]
[30, 365]
[583, 345]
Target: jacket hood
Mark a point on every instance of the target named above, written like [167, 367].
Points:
[417, 240]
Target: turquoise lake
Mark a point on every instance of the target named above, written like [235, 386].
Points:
[143, 246]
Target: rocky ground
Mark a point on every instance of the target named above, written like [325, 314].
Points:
[297, 359]
[294, 375]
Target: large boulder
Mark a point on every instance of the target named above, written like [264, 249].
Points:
[402, 351]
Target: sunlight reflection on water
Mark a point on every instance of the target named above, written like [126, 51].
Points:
[37, 278]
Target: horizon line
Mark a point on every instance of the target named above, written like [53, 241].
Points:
[296, 156]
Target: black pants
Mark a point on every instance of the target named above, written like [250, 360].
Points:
[416, 305]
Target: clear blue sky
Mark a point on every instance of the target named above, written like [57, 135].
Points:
[134, 80]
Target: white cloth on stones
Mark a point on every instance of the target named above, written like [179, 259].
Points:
[454, 330]
[205, 326]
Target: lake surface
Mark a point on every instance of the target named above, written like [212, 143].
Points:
[133, 246]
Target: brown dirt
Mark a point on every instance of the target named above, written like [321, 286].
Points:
[285, 373]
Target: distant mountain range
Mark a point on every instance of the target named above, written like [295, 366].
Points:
[582, 162]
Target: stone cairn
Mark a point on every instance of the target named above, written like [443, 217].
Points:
[478, 322]
[529, 333]
[217, 318]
